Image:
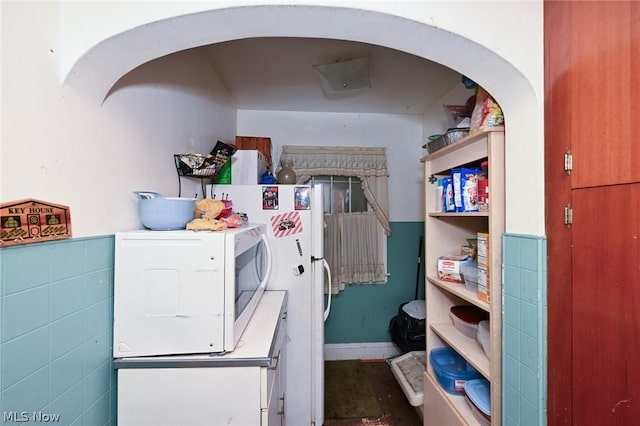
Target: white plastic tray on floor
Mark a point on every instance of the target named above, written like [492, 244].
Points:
[408, 370]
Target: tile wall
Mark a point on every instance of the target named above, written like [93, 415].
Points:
[56, 303]
[56, 329]
[524, 330]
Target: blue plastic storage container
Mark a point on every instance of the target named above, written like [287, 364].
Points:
[478, 393]
[452, 371]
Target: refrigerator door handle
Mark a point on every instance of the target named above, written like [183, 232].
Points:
[328, 309]
[263, 283]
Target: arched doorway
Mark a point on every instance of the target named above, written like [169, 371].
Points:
[97, 71]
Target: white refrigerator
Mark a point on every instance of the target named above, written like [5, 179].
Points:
[295, 228]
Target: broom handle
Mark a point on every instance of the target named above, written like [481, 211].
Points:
[419, 262]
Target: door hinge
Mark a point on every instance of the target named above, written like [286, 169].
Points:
[568, 162]
[568, 215]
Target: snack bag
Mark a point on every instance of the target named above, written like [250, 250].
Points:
[235, 220]
[449, 202]
[456, 182]
[465, 188]
[469, 188]
[486, 113]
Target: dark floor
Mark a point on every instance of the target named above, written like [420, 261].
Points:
[396, 410]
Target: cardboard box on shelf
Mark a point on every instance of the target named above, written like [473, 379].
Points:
[449, 268]
[484, 282]
[484, 273]
[262, 144]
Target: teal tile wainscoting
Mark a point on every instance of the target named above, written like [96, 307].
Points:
[524, 328]
[56, 325]
[56, 304]
[56, 330]
[361, 313]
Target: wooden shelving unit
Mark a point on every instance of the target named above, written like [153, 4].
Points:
[444, 234]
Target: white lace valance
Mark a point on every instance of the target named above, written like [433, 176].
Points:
[367, 163]
[336, 160]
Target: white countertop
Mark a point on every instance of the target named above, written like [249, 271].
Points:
[255, 347]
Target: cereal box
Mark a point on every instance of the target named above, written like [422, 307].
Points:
[484, 272]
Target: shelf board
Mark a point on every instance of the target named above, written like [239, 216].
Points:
[458, 402]
[444, 234]
[461, 291]
[467, 347]
[459, 214]
[480, 134]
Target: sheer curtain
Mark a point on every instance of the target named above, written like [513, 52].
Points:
[353, 241]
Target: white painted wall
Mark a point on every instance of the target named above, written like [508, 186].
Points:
[401, 134]
[435, 120]
[171, 105]
[61, 144]
[69, 150]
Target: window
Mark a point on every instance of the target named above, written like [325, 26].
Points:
[342, 194]
[354, 180]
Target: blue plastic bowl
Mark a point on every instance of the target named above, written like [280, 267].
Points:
[164, 214]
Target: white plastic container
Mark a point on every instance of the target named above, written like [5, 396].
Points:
[408, 370]
[247, 167]
[483, 336]
[469, 272]
[466, 319]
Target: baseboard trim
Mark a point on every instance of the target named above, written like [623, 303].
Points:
[376, 350]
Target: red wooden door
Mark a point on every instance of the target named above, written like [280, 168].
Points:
[606, 305]
[592, 66]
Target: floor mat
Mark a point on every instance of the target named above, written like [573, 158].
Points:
[347, 391]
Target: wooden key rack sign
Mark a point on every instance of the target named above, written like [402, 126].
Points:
[31, 221]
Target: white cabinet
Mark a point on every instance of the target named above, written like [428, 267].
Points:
[445, 233]
[273, 391]
[244, 387]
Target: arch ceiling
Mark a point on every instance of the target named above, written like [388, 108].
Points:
[408, 73]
